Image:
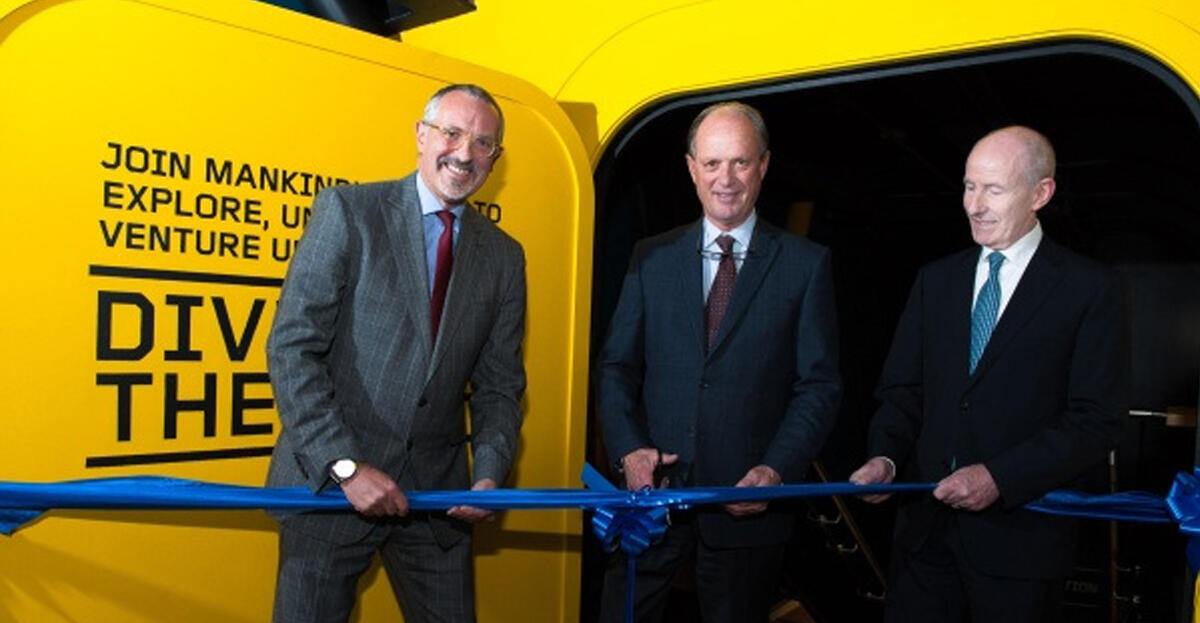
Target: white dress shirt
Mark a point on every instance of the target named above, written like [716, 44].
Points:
[1016, 260]
[712, 257]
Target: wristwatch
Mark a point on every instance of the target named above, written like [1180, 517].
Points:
[342, 470]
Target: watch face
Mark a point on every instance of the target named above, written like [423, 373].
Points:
[344, 469]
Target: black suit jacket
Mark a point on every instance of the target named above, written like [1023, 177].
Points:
[1043, 405]
[766, 394]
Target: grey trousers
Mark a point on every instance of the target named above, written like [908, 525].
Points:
[318, 580]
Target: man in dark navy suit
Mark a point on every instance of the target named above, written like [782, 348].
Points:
[1006, 379]
[720, 369]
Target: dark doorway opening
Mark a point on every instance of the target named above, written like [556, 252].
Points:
[869, 163]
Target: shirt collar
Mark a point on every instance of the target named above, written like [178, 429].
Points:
[429, 203]
[1020, 251]
[741, 234]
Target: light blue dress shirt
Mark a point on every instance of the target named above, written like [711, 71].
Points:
[433, 227]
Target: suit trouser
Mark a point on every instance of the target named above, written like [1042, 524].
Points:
[733, 585]
[318, 580]
[937, 584]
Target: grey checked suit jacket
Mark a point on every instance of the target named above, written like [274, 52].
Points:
[352, 364]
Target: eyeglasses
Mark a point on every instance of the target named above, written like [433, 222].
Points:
[484, 146]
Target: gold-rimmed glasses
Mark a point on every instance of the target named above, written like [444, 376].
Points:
[484, 146]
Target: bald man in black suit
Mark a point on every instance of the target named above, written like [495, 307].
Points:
[1007, 378]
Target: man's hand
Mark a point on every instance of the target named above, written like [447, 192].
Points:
[876, 471]
[970, 488]
[758, 476]
[374, 493]
[640, 464]
[470, 513]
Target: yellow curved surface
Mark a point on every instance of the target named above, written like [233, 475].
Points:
[608, 61]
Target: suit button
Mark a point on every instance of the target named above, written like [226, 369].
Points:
[422, 402]
[965, 405]
[703, 384]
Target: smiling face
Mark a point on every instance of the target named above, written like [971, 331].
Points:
[453, 172]
[1002, 188]
[727, 165]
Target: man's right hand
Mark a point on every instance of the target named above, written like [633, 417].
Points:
[640, 464]
[878, 470]
[374, 493]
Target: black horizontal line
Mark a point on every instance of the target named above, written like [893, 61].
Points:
[130, 272]
[176, 457]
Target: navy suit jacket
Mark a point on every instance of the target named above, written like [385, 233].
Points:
[767, 392]
[1044, 403]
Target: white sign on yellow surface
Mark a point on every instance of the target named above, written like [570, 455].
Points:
[159, 161]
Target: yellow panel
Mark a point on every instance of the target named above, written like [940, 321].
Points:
[607, 61]
[191, 136]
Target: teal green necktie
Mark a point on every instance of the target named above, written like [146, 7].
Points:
[987, 307]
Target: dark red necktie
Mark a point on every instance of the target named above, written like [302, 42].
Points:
[445, 263]
[722, 290]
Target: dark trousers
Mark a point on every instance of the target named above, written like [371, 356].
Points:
[733, 585]
[937, 584]
[318, 580]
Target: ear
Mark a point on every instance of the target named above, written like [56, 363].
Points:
[693, 168]
[422, 133]
[1042, 192]
[766, 160]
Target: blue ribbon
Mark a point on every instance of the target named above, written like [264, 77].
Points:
[634, 526]
[23, 502]
[629, 520]
[640, 519]
[1183, 503]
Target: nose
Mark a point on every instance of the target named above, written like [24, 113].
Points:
[973, 202]
[726, 175]
[462, 151]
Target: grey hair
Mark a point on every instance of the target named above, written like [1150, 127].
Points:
[434, 104]
[749, 112]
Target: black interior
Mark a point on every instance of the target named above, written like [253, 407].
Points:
[876, 156]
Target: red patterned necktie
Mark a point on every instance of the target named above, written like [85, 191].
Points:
[722, 290]
[445, 263]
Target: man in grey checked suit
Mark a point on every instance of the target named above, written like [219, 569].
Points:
[370, 381]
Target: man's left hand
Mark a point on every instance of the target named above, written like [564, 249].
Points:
[970, 488]
[470, 513]
[758, 476]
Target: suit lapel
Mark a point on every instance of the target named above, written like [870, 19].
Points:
[1040, 278]
[764, 245]
[689, 286]
[962, 291]
[406, 240]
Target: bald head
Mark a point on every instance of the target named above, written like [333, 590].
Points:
[750, 113]
[1033, 151]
